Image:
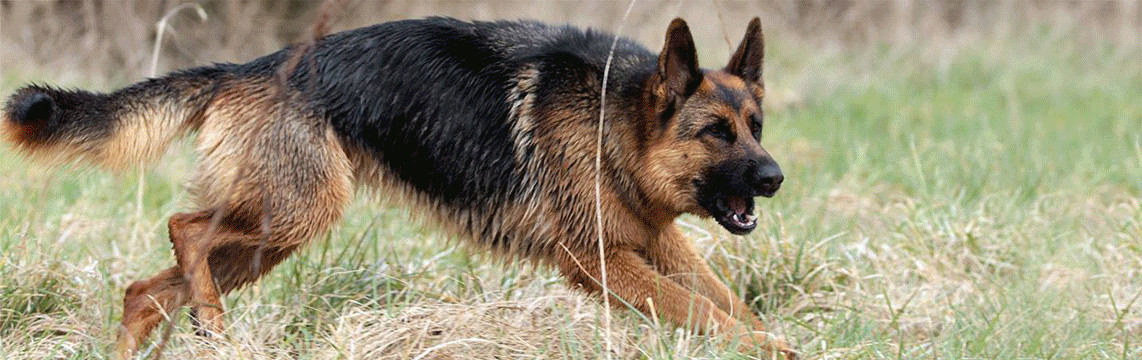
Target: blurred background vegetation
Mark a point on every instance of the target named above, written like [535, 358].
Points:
[112, 40]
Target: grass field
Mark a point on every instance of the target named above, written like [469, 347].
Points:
[980, 199]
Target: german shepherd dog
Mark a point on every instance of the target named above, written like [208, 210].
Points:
[489, 128]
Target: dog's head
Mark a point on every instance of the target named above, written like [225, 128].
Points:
[703, 138]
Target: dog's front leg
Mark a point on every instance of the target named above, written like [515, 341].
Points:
[632, 281]
[673, 255]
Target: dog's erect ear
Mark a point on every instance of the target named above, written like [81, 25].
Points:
[747, 61]
[678, 73]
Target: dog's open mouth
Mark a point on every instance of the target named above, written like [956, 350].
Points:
[735, 214]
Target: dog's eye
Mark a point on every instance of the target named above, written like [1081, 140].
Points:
[720, 130]
[755, 127]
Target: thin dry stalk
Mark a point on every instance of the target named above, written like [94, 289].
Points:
[598, 181]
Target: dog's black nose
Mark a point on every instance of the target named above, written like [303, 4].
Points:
[767, 179]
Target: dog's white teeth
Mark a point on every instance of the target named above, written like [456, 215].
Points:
[743, 220]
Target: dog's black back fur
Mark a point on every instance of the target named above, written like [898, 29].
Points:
[404, 89]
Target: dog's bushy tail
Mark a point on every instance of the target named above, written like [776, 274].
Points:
[129, 126]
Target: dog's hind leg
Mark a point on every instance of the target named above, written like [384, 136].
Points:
[196, 236]
[273, 175]
[217, 255]
[145, 304]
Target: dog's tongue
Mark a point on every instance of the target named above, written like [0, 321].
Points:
[738, 204]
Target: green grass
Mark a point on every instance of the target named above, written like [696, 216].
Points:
[980, 203]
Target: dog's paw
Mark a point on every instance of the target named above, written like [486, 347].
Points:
[768, 347]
